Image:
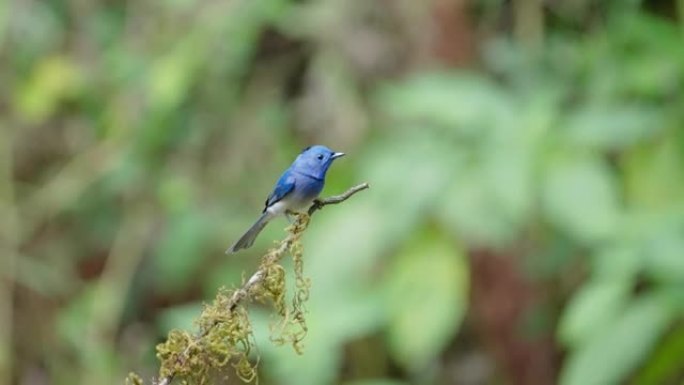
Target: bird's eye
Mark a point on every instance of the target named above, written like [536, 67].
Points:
[320, 157]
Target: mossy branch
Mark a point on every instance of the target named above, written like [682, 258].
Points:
[225, 334]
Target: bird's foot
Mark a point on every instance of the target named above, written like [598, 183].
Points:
[317, 204]
[288, 215]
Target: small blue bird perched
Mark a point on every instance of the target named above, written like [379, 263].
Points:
[296, 189]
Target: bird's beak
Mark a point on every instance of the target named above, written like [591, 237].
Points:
[338, 155]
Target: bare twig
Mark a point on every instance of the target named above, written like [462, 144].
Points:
[333, 200]
[274, 255]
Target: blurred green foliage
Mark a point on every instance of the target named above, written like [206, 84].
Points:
[525, 222]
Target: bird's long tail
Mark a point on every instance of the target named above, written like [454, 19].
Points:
[248, 238]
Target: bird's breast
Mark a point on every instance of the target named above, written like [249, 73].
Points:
[306, 189]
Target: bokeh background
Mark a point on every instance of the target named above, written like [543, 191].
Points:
[525, 223]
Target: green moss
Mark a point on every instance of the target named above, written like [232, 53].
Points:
[133, 379]
[292, 326]
[224, 331]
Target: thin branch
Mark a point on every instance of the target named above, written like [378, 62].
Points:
[271, 257]
[335, 199]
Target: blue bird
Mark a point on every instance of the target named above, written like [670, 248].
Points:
[296, 189]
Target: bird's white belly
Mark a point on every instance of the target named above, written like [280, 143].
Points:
[288, 204]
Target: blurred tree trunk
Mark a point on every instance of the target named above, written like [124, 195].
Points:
[502, 300]
[453, 38]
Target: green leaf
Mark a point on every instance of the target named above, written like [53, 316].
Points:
[463, 101]
[609, 357]
[54, 79]
[663, 252]
[426, 296]
[613, 127]
[665, 363]
[580, 197]
[490, 200]
[593, 310]
[472, 209]
[172, 74]
[653, 175]
[409, 172]
[618, 262]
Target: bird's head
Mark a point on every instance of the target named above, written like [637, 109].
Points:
[315, 160]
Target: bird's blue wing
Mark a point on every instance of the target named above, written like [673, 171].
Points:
[284, 186]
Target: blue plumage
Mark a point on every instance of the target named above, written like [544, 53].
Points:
[284, 186]
[296, 188]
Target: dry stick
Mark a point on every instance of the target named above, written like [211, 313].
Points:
[275, 255]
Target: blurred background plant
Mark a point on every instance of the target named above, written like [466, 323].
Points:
[525, 226]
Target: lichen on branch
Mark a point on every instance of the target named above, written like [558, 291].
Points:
[224, 334]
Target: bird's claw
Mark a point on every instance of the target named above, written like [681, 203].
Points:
[288, 215]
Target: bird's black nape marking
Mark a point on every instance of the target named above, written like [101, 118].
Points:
[304, 150]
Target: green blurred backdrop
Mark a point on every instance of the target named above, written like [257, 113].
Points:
[525, 223]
